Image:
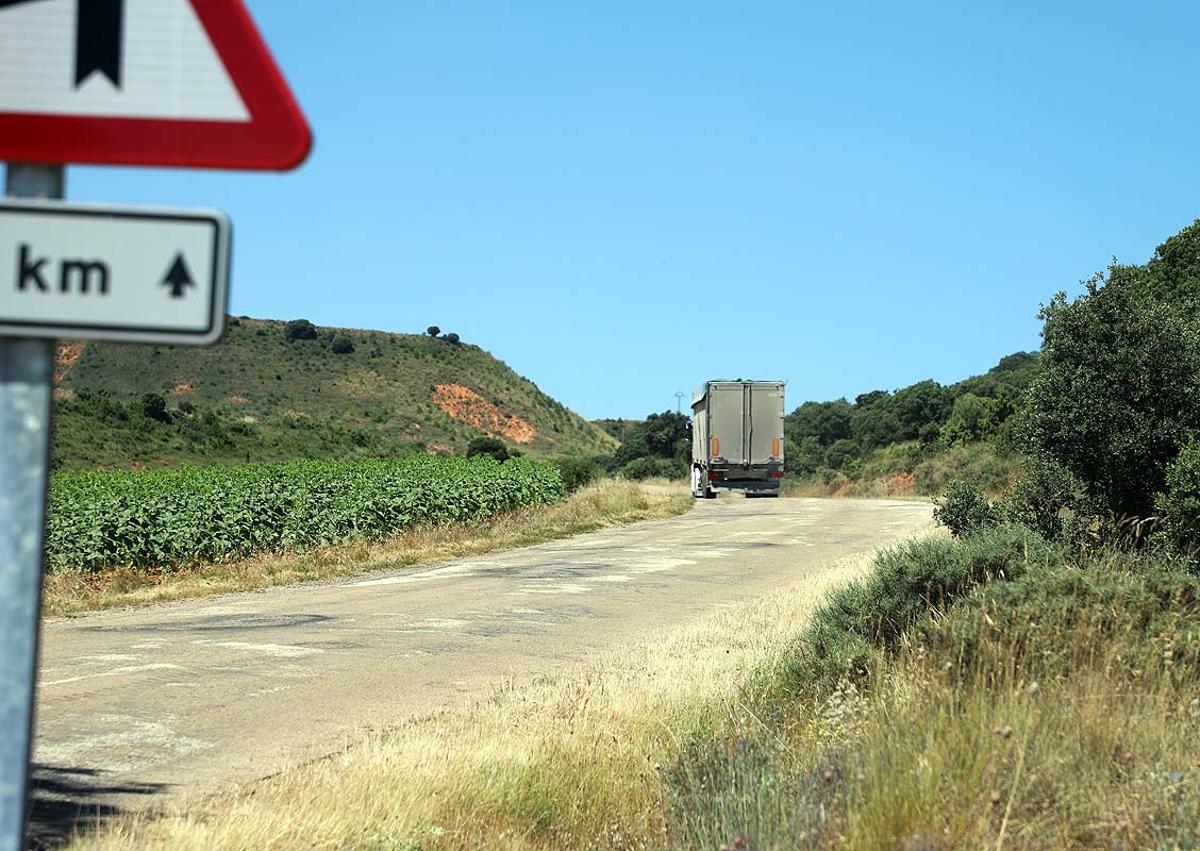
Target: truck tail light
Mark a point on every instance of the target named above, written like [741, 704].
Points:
[777, 474]
[713, 475]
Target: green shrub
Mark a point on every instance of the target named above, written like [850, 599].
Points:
[963, 509]
[1049, 499]
[154, 407]
[907, 584]
[342, 345]
[299, 329]
[1179, 504]
[652, 468]
[1051, 621]
[492, 446]
[577, 472]
[973, 418]
[840, 452]
[660, 436]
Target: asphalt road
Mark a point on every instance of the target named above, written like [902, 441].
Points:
[187, 697]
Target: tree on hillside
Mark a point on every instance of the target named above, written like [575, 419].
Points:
[875, 425]
[433, 330]
[342, 345]
[919, 405]
[973, 418]
[824, 422]
[664, 436]
[154, 407]
[299, 329]
[452, 338]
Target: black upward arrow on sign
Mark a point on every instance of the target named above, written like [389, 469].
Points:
[178, 277]
[98, 38]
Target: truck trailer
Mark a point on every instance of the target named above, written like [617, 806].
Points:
[737, 438]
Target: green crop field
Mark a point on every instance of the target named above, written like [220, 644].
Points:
[171, 518]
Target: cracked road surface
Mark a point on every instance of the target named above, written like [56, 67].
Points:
[190, 696]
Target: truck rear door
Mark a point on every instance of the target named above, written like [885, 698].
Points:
[726, 422]
[764, 424]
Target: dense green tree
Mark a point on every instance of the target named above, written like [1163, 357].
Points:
[919, 405]
[875, 425]
[154, 407]
[824, 422]
[664, 435]
[1118, 392]
[973, 418]
[299, 329]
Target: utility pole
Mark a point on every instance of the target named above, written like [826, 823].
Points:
[679, 401]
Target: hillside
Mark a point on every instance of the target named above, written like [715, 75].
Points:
[259, 396]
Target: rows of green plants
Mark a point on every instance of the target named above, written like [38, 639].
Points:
[171, 518]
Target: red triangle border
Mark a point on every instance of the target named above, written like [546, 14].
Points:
[276, 138]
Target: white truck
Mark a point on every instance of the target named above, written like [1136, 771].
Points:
[737, 438]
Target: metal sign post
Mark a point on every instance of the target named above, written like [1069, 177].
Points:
[25, 383]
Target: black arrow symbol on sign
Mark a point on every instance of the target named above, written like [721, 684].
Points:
[98, 34]
[178, 278]
[98, 40]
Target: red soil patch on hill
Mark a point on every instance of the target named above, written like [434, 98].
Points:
[65, 358]
[466, 405]
[183, 388]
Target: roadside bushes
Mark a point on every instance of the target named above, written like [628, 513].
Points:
[908, 583]
[1051, 622]
[578, 472]
[963, 509]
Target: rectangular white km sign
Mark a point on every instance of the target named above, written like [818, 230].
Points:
[115, 273]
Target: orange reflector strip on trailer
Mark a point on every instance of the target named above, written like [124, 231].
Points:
[775, 448]
[716, 446]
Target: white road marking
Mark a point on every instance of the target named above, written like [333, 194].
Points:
[435, 573]
[281, 651]
[116, 672]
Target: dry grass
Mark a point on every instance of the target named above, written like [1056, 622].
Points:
[607, 503]
[1056, 725]
[1089, 761]
[573, 761]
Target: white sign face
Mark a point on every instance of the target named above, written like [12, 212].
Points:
[132, 274]
[116, 58]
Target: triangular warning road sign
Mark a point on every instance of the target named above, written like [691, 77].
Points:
[143, 82]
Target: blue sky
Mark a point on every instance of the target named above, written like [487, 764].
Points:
[621, 200]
